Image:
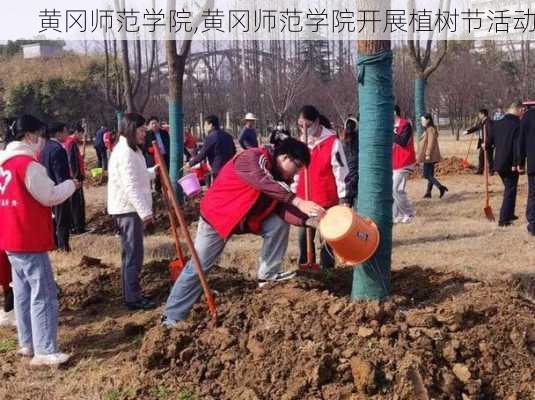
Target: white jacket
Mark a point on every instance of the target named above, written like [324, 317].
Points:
[40, 186]
[129, 182]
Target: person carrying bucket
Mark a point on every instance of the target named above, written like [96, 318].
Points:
[403, 163]
[218, 147]
[251, 195]
[326, 176]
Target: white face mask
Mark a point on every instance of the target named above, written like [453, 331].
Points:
[313, 131]
[280, 127]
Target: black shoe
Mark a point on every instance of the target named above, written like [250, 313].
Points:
[143, 304]
[514, 218]
[531, 229]
[505, 224]
[443, 190]
[427, 195]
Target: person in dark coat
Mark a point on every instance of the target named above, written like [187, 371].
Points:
[54, 158]
[156, 133]
[279, 134]
[100, 148]
[77, 168]
[526, 150]
[483, 128]
[248, 137]
[218, 147]
[504, 136]
[350, 142]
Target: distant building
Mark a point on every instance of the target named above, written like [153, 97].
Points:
[42, 50]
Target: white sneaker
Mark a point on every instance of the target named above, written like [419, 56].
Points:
[8, 318]
[25, 351]
[398, 220]
[280, 277]
[50, 359]
[406, 220]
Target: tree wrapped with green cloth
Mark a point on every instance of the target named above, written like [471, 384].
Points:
[371, 280]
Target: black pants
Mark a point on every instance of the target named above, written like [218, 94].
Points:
[62, 225]
[510, 183]
[429, 174]
[102, 158]
[490, 159]
[8, 299]
[326, 253]
[530, 208]
[78, 211]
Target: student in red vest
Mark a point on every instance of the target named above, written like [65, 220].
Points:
[403, 163]
[327, 174]
[250, 195]
[7, 316]
[26, 234]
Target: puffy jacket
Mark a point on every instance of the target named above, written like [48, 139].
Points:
[129, 182]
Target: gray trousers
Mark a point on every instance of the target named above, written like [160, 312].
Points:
[131, 228]
[209, 246]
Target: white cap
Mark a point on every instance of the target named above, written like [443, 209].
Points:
[250, 117]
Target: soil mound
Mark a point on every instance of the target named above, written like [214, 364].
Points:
[448, 166]
[440, 335]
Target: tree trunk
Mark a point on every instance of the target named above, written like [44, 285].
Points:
[176, 112]
[371, 280]
[420, 85]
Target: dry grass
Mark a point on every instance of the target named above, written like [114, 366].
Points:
[448, 234]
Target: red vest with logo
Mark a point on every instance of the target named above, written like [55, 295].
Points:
[322, 182]
[403, 156]
[26, 225]
[229, 200]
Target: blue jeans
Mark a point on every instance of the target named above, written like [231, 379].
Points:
[209, 246]
[36, 301]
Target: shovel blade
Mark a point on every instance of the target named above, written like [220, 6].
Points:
[175, 268]
[489, 214]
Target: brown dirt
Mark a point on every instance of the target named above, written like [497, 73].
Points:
[444, 337]
[448, 166]
[102, 223]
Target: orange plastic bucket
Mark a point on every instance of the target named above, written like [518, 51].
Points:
[354, 239]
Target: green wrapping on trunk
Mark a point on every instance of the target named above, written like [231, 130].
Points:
[176, 127]
[371, 280]
[419, 103]
[119, 115]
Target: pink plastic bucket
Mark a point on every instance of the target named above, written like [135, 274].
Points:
[190, 184]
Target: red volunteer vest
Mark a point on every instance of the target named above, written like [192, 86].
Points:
[26, 224]
[323, 190]
[230, 199]
[403, 156]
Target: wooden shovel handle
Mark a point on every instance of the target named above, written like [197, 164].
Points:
[166, 181]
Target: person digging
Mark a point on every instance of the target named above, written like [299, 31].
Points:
[251, 195]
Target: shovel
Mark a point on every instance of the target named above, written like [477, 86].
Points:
[182, 224]
[464, 163]
[177, 265]
[310, 265]
[487, 210]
